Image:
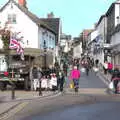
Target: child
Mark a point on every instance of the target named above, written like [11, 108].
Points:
[53, 81]
[44, 83]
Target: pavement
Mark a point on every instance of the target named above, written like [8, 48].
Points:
[107, 77]
[7, 103]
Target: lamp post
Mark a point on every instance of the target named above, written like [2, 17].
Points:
[44, 54]
[13, 85]
[40, 91]
[44, 46]
[13, 91]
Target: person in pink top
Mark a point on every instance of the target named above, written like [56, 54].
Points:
[75, 75]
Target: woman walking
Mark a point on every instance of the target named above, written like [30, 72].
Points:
[75, 75]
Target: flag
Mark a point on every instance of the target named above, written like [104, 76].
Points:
[21, 52]
[97, 38]
[14, 44]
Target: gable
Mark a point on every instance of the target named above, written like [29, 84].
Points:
[33, 17]
[11, 9]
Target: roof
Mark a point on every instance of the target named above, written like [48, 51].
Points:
[111, 7]
[53, 23]
[102, 16]
[32, 16]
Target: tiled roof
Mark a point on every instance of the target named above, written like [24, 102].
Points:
[53, 23]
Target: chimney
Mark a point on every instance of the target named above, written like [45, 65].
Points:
[50, 15]
[22, 3]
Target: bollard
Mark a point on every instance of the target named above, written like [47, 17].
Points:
[40, 90]
[13, 92]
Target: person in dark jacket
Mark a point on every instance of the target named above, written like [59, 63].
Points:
[87, 66]
[35, 76]
[115, 78]
[60, 80]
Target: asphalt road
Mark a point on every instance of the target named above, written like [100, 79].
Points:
[73, 106]
[97, 111]
[91, 81]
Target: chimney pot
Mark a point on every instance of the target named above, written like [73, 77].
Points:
[22, 3]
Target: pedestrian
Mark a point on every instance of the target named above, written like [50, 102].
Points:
[53, 82]
[96, 62]
[65, 67]
[60, 80]
[52, 70]
[75, 75]
[110, 67]
[115, 78]
[35, 76]
[105, 66]
[87, 66]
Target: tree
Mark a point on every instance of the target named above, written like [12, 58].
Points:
[5, 37]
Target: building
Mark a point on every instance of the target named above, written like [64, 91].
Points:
[100, 40]
[77, 48]
[113, 34]
[37, 34]
[64, 47]
[55, 24]
[103, 42]
[84, 38]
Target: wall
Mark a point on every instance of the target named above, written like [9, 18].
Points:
[115, 39]
[101, 28]
[49, 38]
[77, 50]
[117, 14]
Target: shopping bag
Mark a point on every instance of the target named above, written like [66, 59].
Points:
[111, 86]
[95, 69]
[118, 87]
[71, 85]
[82, 69]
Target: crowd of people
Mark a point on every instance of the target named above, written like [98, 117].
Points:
[114, 72]
[51, 79]
[54, 77]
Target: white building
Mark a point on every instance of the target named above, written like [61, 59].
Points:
[113, 31]
[91, 43]
[100, 39]
[77, 48]
[35, 32]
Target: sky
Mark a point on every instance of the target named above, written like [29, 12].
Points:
[75, 15]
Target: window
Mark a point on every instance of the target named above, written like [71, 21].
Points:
[12, 18]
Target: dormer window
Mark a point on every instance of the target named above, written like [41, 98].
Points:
[12, 18]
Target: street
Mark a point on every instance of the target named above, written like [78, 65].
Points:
[41, 50]
[90, 103]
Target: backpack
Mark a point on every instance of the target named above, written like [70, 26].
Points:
[35, 72]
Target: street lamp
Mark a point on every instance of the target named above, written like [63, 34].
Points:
[44, 46]
[44, 54]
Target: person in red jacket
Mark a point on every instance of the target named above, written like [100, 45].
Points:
[110, 67]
